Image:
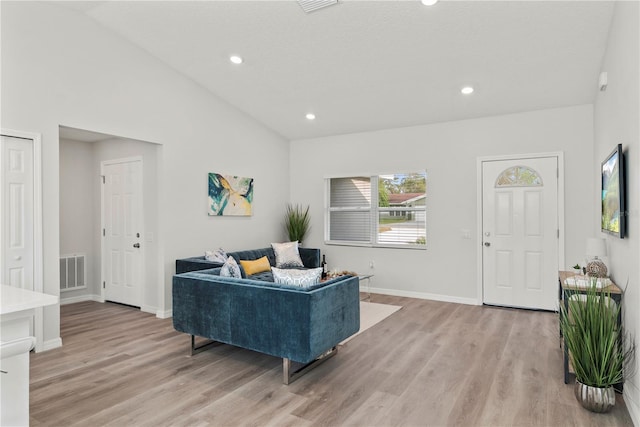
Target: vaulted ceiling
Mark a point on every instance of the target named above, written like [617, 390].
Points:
[370, 65]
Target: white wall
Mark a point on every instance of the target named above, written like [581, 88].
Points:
[77, 177]
[617, 121]
[448, 151]
[60, 68]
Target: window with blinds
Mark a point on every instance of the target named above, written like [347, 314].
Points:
[382, 210]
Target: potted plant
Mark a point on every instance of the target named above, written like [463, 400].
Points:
[598, 347]
[577, 269]
[297, 222]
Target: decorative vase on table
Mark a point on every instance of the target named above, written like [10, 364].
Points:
[595, 399]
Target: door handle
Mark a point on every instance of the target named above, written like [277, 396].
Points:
[136, 245]
[17, 258]
[487, 244]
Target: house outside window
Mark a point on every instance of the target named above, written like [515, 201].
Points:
[379, 211]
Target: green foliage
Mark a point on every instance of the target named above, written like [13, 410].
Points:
[383, 195]
[414, 183]
[410, 183]
[597, 345]
[297, 222]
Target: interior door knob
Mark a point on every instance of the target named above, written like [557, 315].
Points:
[136, 245]
[487, 244]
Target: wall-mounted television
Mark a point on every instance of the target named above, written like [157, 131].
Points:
[613, 218]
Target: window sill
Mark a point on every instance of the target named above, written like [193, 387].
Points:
[369, 245]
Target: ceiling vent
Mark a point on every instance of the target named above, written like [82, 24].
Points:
[311, 5]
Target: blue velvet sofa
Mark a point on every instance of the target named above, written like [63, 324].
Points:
[301, 326]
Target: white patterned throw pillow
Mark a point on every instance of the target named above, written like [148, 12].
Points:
[287, 255]
[230, 268]
[219, 255]
[299, 278]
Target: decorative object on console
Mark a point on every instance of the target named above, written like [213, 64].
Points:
[219, 255]
[287, 255]
[230, 268]
[596, 247]
[300, 278]
[577, 269]
[297, 222]
[230, 195]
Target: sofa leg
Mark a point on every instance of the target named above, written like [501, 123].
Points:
[291, 370]
[202, 347]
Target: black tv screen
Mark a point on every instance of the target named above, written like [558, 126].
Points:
[613, 194]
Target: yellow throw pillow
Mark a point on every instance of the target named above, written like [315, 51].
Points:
[257, 266]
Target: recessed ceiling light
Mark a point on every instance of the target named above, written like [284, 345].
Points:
[310, 116]
[429, 2]
[235, 59]
[466, 90]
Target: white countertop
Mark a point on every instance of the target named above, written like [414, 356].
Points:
[16, 299]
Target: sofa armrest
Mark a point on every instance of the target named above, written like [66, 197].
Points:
[195, 264]
[310, 257]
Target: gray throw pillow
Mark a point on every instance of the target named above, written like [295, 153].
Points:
[219, 255]
[287, 255]
[300, 278]
[230, 268]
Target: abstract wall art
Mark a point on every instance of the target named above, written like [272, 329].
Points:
[230, 195]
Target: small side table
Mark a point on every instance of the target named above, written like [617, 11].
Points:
[366, 277]
[565, 293]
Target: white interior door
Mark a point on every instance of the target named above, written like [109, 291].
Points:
[520, 232]
[17, 186]
[122, 255]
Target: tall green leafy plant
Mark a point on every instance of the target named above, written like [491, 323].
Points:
[598, 347]
[297, 222]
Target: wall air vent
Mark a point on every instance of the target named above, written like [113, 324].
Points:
[73, 274]
[311, 5]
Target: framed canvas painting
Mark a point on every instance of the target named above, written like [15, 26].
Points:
[230, 195]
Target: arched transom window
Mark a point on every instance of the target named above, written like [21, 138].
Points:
[519, 176]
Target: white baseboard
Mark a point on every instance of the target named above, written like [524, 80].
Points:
[51, 344]
[164, 314]
[81, 298]
[148, 309]
[423, 295]
[631, 398]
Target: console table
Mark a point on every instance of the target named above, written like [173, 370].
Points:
[565, 293]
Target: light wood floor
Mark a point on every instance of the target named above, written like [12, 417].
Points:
[431, 363]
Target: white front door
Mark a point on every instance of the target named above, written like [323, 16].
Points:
[520, 232]
[17, 217]
[122, 255]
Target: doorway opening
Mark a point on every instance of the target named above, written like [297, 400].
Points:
[83, 155]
